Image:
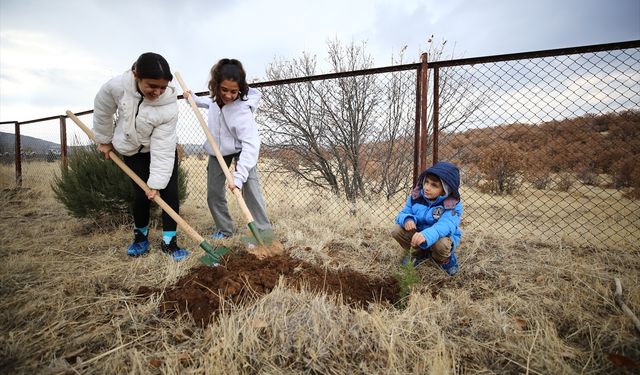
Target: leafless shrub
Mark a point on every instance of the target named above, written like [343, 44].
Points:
[564, 181]
[588, 177]
[470, 175]
[501, 167]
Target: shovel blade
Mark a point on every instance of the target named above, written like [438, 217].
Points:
[258, 236]
[270, 247]
[212, 255]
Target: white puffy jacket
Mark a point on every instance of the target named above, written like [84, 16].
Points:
[234, 129]
[153, 129]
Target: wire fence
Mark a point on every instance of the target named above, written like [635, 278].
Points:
[548, 142]
[550, 145]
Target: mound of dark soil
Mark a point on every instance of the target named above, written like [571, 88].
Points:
[242, 277]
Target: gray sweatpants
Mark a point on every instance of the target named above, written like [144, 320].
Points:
[217, 199]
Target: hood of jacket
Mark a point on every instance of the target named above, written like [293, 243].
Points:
[447, 173]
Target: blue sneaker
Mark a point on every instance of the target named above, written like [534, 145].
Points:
[418, 257]
[172, 249]
[451, 266]
[139, 246]
[219, 235]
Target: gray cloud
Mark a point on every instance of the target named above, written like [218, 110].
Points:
[99, 39]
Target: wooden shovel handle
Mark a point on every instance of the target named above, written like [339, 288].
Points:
[174, 215]
[216, 150]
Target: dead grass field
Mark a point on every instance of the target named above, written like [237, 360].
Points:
[525, 305]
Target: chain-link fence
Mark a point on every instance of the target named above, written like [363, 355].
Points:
[548, 143]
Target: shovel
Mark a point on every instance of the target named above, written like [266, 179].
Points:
[212, 257]
[238, 194]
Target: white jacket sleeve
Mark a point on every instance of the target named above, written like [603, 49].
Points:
[105, 105]
[202, 102]
[247, 133]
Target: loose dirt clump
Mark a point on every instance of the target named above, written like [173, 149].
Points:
[241, 277]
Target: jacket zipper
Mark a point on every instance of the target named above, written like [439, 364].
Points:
[135, 127]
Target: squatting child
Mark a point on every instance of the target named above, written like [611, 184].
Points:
[430, 221]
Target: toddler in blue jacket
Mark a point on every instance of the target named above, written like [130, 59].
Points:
[430, 221]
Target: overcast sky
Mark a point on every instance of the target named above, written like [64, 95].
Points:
[55, 55]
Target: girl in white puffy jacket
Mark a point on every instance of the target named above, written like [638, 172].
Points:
[144, 133]
[231, 120]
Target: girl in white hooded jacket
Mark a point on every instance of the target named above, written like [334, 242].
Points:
[144, 133]
[232, 123]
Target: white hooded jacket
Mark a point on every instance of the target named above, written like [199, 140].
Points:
[141, 125]
[234, 129]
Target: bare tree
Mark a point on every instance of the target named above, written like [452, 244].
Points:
[393, 158]
[294, 129]
[352, 135]
[348, 109]
[323, 125]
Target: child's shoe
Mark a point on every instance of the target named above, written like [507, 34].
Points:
[139, 246]
[172, 249]
[451, 266]
[417, 256]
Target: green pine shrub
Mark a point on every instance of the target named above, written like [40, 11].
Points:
[94, 188]
[407, 277]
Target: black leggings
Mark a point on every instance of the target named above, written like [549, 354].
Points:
[140, 163]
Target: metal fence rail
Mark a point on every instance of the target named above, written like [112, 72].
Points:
[548, 142]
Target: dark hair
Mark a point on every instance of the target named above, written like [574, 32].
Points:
[153, 66]
[430, 176]
[228, 69]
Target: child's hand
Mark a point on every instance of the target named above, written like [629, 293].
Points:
[417, 239]
[186, 94]
[410, 225]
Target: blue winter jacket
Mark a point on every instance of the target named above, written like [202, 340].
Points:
[433, 219]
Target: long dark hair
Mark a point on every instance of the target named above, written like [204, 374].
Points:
[153, 66]
[228, 69]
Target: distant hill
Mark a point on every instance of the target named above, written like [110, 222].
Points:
[39, 146]
[27, 144]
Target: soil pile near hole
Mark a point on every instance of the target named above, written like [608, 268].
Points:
[242, 277]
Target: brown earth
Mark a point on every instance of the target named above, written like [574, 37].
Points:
[242, 277]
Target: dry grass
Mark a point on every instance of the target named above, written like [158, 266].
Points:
[517, 305]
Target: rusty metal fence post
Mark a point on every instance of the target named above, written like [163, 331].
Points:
[63, 140]
[436, 112]
[18, 156]
[424, 90]
[416, 130]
